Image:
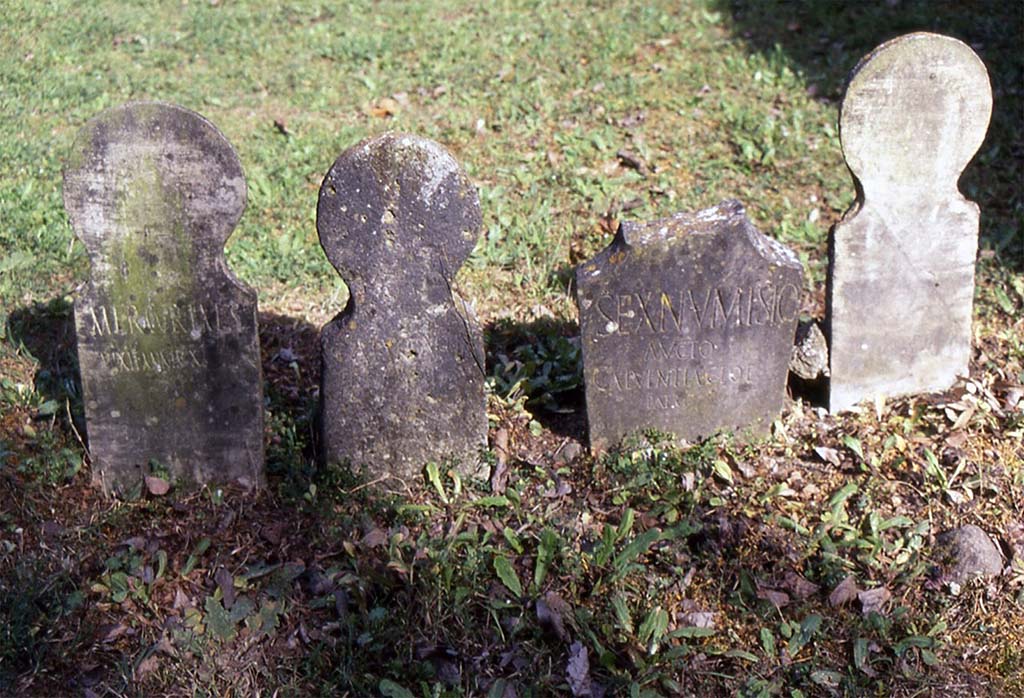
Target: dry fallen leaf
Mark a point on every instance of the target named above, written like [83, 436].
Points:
[829, 455]
[957, 439]
[697, 619]
[874, 600]
[181, 600]
[778, 598]
[226, 583]
[628, 158]
[374, 538]
[549, 615]
[273, 533]
[384, 108]
[165, 646]
[147, 665]
[109, 633]
[844, 592]
[798, 586]
[577, 671]
[499, 478]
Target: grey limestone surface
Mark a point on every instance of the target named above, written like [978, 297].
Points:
[901, 261]
[687, 327]
[167, 336]
[810, 352]
[966, 553]
[403, 364]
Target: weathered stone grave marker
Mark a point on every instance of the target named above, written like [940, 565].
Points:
[901, 263]
[687, 326]
[167, 336]
[403, 364]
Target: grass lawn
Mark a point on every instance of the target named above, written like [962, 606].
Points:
[702, 570]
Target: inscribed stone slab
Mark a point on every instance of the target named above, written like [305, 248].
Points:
[167, 336]
[403, 364]
[901, 262]
[687, 326]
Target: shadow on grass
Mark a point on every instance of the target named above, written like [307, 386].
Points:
[541, 361]
[47, 332]
[824, 40]
[337, 589]
[35, 604]
[290, 353]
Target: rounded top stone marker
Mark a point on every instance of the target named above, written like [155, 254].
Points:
[152, 160]
[901, 260]
[390, 185]
[403, 365]
[915, 112]
[167, 337]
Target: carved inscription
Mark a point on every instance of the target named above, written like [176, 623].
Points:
[135, 360]
[686, 363]
[683, 311]
[687, 325]
[654, 377]
[193, 321]
[170, 326]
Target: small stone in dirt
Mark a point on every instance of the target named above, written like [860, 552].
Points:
[403, 365]
[157, 486]
[810, 352]
[966, 553]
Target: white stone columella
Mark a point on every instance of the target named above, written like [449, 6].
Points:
[901, 261]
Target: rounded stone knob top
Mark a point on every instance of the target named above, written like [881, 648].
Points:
[915, 112]
[152, 169]
[397, 201]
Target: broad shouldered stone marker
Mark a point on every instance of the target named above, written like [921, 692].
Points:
[901, 269]
[687, 326]
[167, 336]
[403, 364]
